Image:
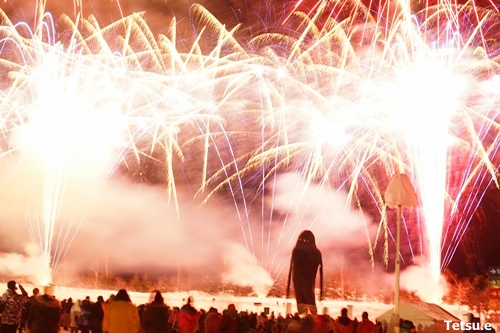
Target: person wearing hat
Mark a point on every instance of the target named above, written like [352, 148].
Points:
[47, 312]
[13, 307]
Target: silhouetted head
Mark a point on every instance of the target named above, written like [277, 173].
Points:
[306, 239]
[343, 312]
[364, 315]
[122, 295]
[158, 297]
[12, 285]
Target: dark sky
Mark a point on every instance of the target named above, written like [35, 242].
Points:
[478, 249]
[480, 246]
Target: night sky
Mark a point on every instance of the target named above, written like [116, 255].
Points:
[479, 247]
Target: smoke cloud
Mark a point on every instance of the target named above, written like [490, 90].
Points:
[109, 221]
[137, 228]
[418, 279]
[242, 269]
[338, 228]
[98, 221]
[31, 263]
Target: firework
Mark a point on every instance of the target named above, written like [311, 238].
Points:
[346, 100]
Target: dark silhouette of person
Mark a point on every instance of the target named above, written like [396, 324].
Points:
[155, 315]
[344, 324]
[96, 315]
[306, 258]
[47, 312]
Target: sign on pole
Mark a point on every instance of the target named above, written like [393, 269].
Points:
[399, 194]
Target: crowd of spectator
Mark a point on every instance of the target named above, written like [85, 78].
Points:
[44, 313]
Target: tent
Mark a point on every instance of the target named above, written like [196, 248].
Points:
[427, 317]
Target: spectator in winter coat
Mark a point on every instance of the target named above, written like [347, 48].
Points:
[155, 316]
[366, 325]
[13, 304]
[65, 320]
[279, 325]
[74, 315]
[323, 324]
[343, 324]
[96, 315]
[188, 317]
[229, 320]
[105, 305]
[30, 307]
[121, 315]
[47, 312]
[212, 321]
[172, 319]
[308, 324]
[84, 319]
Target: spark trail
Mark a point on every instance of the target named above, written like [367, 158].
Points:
[347, 100]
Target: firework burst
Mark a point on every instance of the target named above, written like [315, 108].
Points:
[343, 97]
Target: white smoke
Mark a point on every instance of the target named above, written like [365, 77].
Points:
[243, 270]
[418, 279]
[32, 265]
[326, 212]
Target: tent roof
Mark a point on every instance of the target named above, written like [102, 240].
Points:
[419, 311]
[434, 311]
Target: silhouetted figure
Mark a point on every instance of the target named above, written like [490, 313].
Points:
[407, 326]
[188, 317]
[13, 304]
[366, 325]
[96, 315]
[121, 315]
[74, 314]
[47, 312]
[306, 258]
[155, 316]
[212, 321]
[84, 318]
[229, 320]
[343, 324]
[65, 320]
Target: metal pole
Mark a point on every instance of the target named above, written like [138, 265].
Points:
[397, 271]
